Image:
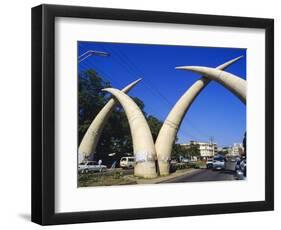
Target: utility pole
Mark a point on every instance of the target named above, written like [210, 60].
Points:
[211, 142]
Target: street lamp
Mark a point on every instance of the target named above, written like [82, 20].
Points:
[90, 53]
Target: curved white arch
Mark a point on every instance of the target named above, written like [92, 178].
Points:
[144, 149]
[92, 135]
[167, 134]
[235, 84]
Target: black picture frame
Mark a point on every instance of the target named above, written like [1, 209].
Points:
[43, 110]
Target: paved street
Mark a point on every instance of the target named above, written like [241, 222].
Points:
[125, 176]
[204, 175]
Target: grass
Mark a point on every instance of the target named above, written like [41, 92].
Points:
[197, 164]
[101, 179]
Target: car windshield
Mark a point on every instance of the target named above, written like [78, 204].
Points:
[82, 163]
[218, 159]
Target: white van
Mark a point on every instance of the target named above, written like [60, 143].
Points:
[127, 162]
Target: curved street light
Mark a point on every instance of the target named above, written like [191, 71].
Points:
[90, 53]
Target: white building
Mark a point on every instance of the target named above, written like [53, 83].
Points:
[225, 150]
[237, 149]
[207, 149]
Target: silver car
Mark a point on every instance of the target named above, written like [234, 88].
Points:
[219, 163]
[91, 166]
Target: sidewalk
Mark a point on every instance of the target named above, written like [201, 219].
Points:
[162, 179]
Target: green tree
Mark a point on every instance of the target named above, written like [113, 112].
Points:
[90, 98]
[193, 150]
[179, 151]
[155, 126]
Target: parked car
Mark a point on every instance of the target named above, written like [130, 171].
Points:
[219, 163]
[243, 166]
[184, 160]
[241, 169]
[91, 166]
[237, 167]
[174, 161]
[209, 163]
[127, 162]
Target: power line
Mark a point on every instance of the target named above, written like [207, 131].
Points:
[129, 68]
[126, 59]
[129, 62]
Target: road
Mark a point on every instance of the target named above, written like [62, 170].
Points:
[204, 175]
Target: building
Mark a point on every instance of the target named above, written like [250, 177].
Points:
[207, 149]
[225, 150]
[237, 149]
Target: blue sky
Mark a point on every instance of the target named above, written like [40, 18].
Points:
[216, 112]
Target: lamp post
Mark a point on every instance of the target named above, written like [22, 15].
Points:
[90, 53]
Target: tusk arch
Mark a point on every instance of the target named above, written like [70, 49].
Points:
[235, 84]
[167, 134]
[143, 145]
[92, 135]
